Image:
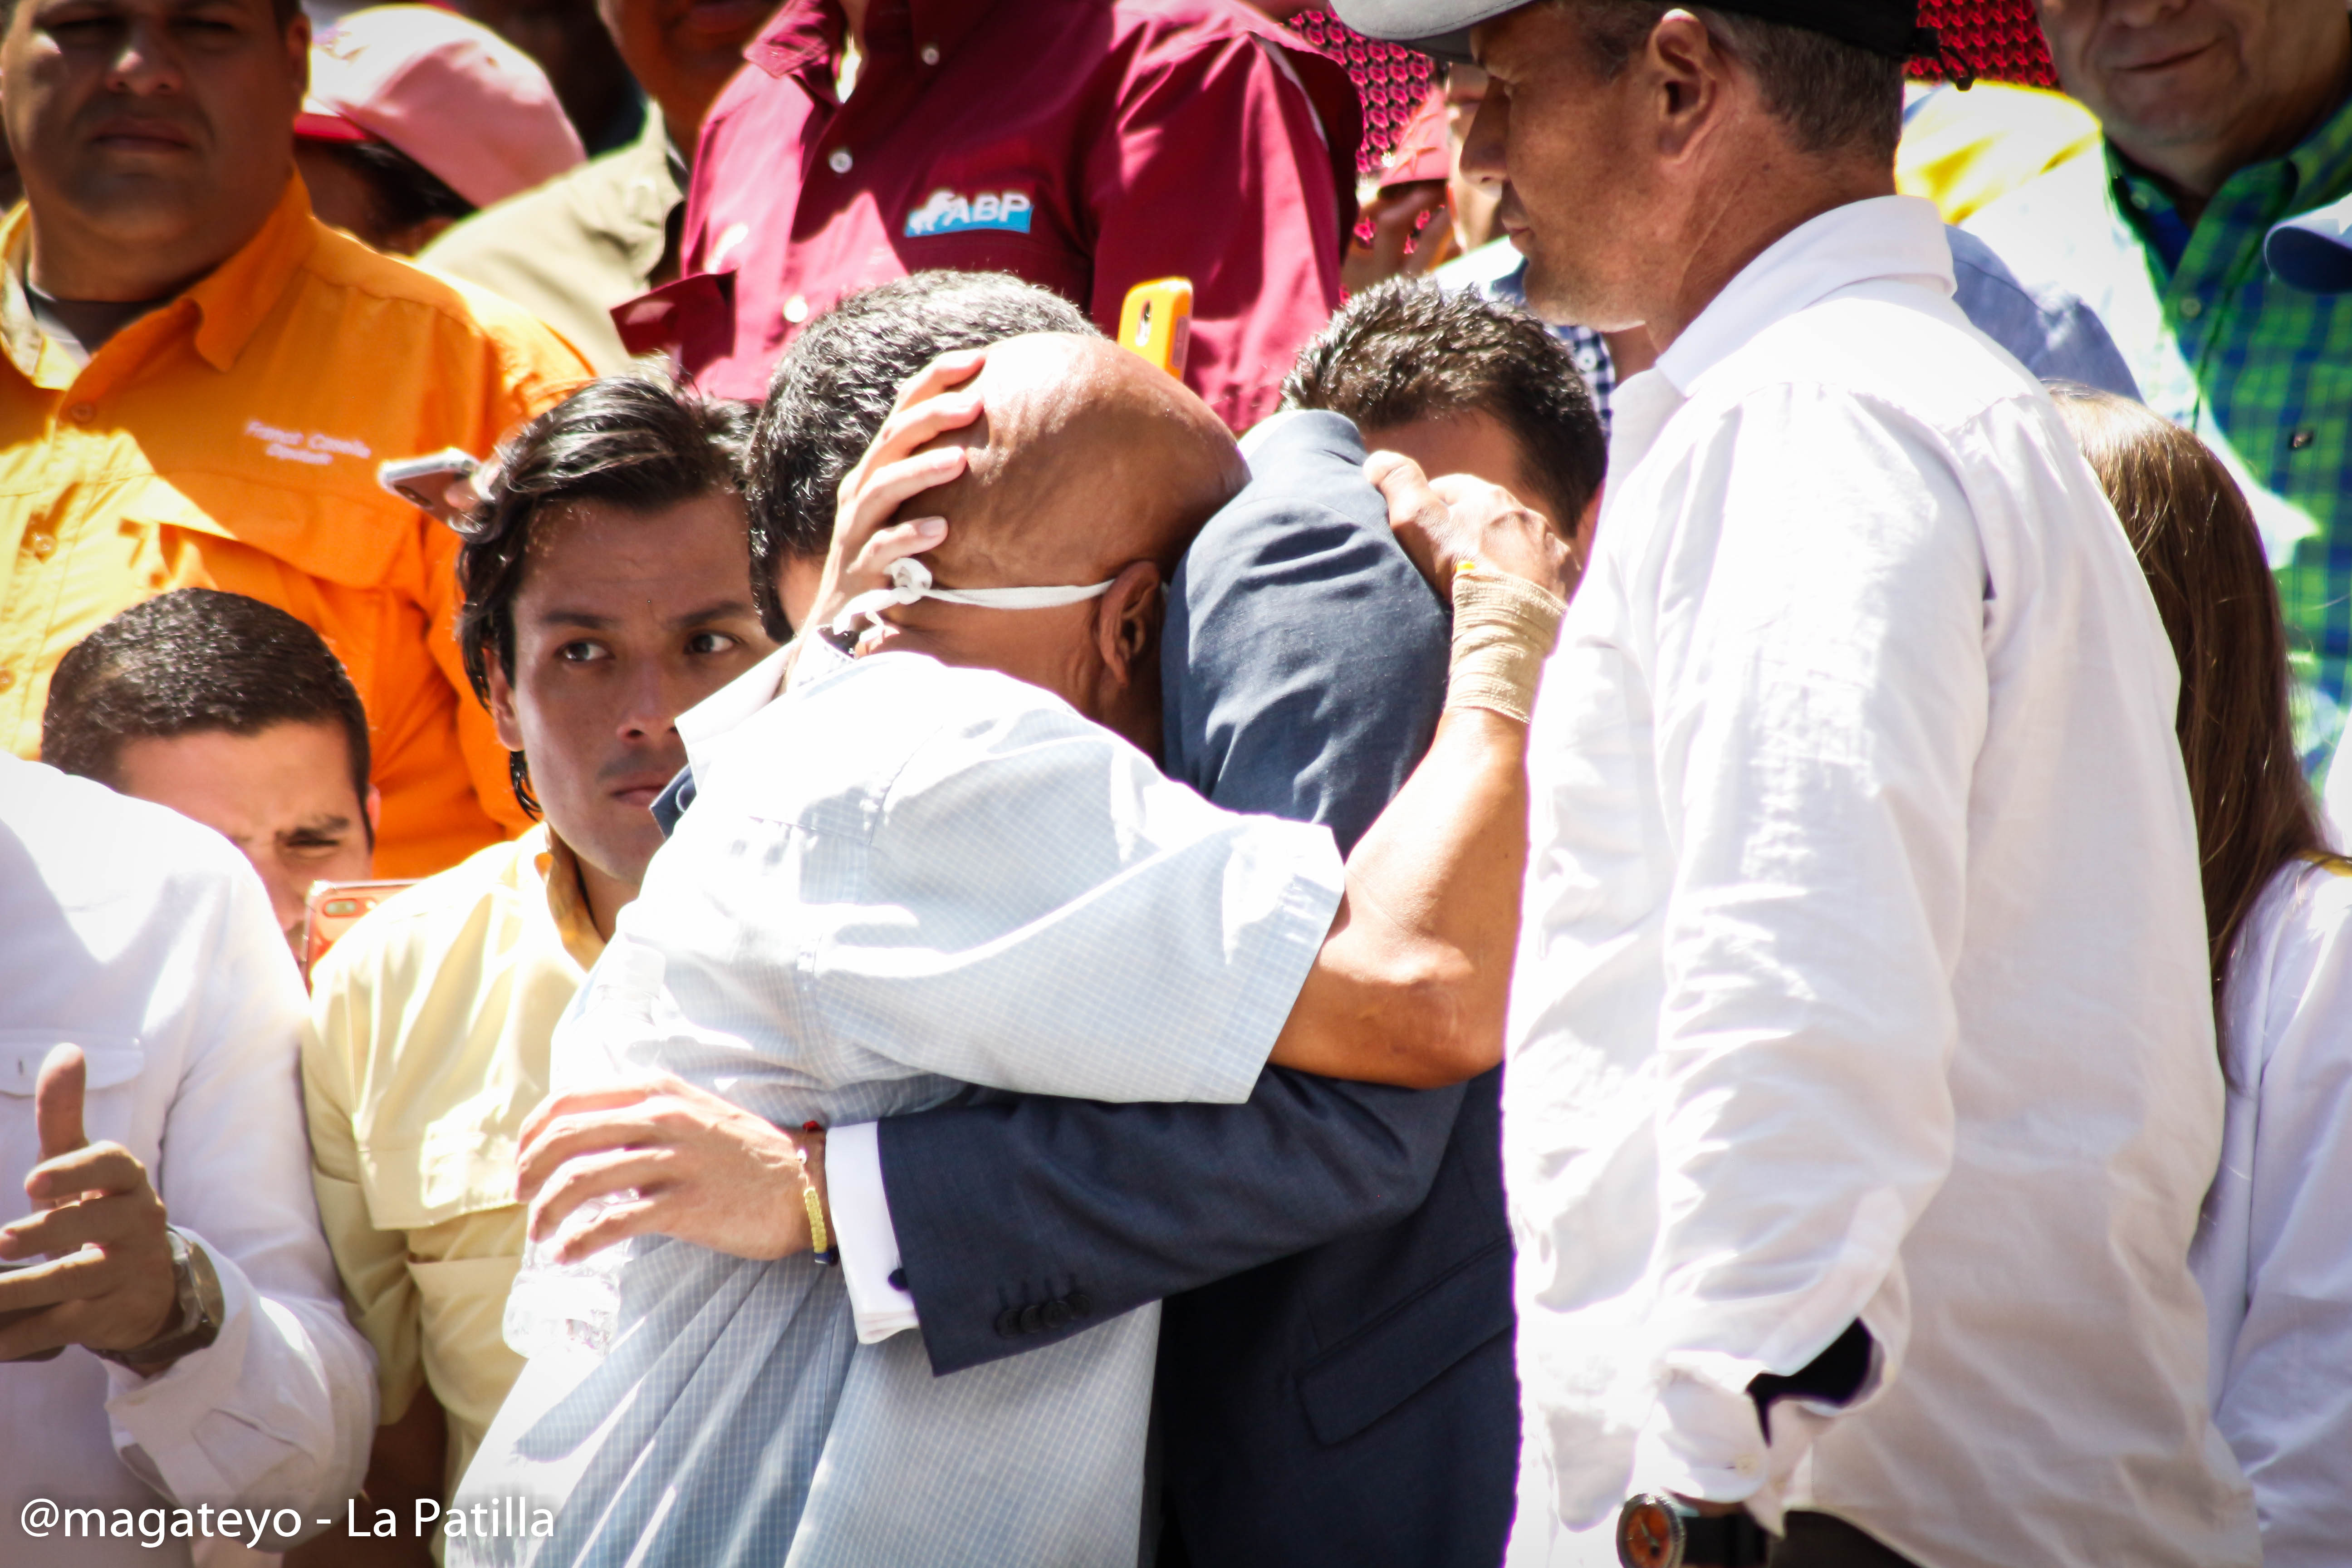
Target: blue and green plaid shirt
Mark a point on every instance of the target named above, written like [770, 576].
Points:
[2261, 370]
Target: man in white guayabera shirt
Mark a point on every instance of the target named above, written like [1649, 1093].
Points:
[174, 1367]
[951, 861]
[1861, 1089]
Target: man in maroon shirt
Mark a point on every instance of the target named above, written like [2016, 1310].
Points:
[1084, 145]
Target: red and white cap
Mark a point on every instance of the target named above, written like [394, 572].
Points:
[476, 113]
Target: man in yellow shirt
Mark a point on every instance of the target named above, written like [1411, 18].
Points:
[608, 591]
[201, 380]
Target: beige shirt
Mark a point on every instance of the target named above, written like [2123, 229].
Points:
[429, 1047]
[574, 247]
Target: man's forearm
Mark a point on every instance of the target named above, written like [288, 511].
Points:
[1412, 983]
[1410, 986]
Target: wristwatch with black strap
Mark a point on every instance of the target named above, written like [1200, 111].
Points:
[1658, 1529]
[201, 1303]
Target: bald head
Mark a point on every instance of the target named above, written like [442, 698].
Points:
[1086, 458]
[1087, 465]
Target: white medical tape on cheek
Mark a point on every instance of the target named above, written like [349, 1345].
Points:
[910, 580]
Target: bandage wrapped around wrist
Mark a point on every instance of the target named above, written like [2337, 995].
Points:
[1504, 628]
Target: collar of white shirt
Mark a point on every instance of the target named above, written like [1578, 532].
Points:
[1884, 237]
[1882, 240]
[749, 692]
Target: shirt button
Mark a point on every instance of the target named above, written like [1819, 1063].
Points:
[839, 162]
[930, 56]
[80, 413]
[796, 310]
[2299, 441]
[7, 678]
[2139, 200]
[2191, 307]
[43, 544]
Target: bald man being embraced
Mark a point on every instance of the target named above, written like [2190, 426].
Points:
[949, 862]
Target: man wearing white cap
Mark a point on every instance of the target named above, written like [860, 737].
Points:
[1861, 1086]
[416, 117]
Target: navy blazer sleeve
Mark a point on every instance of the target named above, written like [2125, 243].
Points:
[1302, 667]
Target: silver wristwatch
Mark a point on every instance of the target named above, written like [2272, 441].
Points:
[201, 1307]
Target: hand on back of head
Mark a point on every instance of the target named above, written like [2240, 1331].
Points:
[1051, 483]
[1448, 521]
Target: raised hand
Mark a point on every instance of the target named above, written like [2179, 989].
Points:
[892, 473]
[109, 1282]
[1455, 518]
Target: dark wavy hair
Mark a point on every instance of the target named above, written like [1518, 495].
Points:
[637, 442]
[2195, 536]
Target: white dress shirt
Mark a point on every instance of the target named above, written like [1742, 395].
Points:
[148, 941]
[887, 882]
[1863, 963]
[2275, 1251]
[860, 1205]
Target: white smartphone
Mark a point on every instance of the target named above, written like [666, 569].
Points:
[423, 483]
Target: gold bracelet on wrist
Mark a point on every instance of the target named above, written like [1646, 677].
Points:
[821, 1248]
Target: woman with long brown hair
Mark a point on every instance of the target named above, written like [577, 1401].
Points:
[2273, 1247]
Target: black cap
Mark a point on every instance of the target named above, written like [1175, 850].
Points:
[1442, 27]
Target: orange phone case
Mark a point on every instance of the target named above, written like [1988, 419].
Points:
[333, 908]
[1156, 321]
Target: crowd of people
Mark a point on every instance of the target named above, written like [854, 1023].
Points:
[1627, 863]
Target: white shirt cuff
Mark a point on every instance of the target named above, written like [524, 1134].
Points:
[862, 1231]
[1703, 1438]
[155, 1421]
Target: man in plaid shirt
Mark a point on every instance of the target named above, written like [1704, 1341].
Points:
[2222, 118]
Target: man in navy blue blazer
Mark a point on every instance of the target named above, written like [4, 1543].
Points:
[1335, 1382]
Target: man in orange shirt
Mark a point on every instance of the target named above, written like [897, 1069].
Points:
[202, 379]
